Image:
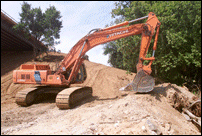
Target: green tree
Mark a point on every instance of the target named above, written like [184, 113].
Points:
[52, 26]
[178, 54]
[42, 26]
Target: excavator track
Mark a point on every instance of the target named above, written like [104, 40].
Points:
[26, 97]
[69, 97]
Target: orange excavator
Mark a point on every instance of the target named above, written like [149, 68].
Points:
[72, 69]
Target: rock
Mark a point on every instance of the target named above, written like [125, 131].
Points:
[116, 124]
[110, 106]
[144, 128]
[100, 133]
[93, 129]
[162, 124]
[126, 104]
[152, 128]
[168, 126]
[92, 124]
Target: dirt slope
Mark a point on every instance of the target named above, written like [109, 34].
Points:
[109, 111]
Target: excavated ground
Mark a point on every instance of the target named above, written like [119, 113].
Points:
[109, 111]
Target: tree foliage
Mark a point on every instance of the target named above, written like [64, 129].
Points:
[52, 25]
[178, 54]
[43, 26]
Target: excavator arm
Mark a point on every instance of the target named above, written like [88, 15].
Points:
[74, 59]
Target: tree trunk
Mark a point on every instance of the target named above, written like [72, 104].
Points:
[34, 53]
[34, 50]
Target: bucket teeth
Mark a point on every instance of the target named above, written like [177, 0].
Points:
[141, 83]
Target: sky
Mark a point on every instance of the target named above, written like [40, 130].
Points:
[78, 18]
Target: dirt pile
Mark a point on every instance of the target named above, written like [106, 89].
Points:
[109, 111]
[105, 81]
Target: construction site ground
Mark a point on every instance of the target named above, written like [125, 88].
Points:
[108, 111]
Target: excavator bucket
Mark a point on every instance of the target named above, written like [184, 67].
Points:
[141, 83]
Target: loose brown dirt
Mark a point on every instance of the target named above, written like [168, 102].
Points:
[109, 111]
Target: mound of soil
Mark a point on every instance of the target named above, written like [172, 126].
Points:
[109, 111]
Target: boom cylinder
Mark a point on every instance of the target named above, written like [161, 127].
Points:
[141, 18]
[124, 23]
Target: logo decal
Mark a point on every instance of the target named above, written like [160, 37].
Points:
[118, 33]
